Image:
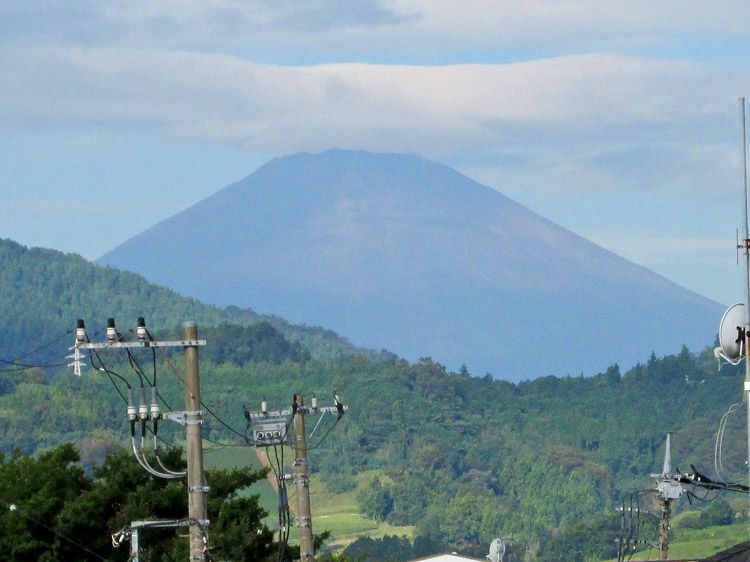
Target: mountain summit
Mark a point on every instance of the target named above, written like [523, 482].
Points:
[398, 252]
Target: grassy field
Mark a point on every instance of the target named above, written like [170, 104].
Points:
[700, 543]
[688, 544]
[235, 457]
[337, 513]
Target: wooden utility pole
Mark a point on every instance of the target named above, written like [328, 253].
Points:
[197, 488]
[302, 482]
[191, 418]
[270, 429]
[664, 529]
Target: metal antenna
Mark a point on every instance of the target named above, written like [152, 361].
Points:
[746, 251]
[667, 456]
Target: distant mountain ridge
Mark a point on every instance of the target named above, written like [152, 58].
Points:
[402, 253]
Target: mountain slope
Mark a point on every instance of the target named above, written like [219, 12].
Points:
[44, 291]
[399, 252]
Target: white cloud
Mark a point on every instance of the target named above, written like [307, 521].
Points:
[584, 118]
[607, 103]
[412, 30]
[524, 21]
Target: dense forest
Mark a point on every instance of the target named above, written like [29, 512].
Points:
[44, 292]
[54, 510]
[464, 458]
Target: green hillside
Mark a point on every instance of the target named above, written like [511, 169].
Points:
[456, 459]
[43, 292]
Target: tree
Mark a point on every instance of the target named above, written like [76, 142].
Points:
[719, 512]
[375, 500]
[62, 514]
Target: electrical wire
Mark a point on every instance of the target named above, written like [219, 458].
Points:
[223, 445]
[284, 517]
[209, 410]
[136, 368]
[36, 350]
[146, 466]
[627, 546]
[109, 373]
[30, 365]
[325, 435]
[168, 474]
[153, 355]
[718, 464]
[158, 458]
[221, 421]
[26, 367]
[14, 509]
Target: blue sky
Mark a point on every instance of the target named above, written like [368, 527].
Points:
[618, 120]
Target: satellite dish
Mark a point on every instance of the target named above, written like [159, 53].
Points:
[497, 551]
[729, 340]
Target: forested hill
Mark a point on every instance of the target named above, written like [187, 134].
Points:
[464, 458]
[43, 292]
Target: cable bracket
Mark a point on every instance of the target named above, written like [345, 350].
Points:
[182, 417]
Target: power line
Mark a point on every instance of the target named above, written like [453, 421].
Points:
[223, 445]
[209, 410]
[21, 367]
[322, 439]
[36, 350]
[109, 373]
[14, 508]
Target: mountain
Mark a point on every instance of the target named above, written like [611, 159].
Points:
[399, 252]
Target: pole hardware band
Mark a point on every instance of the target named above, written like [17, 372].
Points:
[182, 417]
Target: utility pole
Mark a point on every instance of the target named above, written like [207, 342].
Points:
[270, 430]
[667, 491]
[302, 483]
[664, 529]
[197, 488]
[191, 418]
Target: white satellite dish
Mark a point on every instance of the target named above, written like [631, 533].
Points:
[497, 551]
[729, 334]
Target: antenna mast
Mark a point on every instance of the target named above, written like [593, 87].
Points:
[746, 252]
